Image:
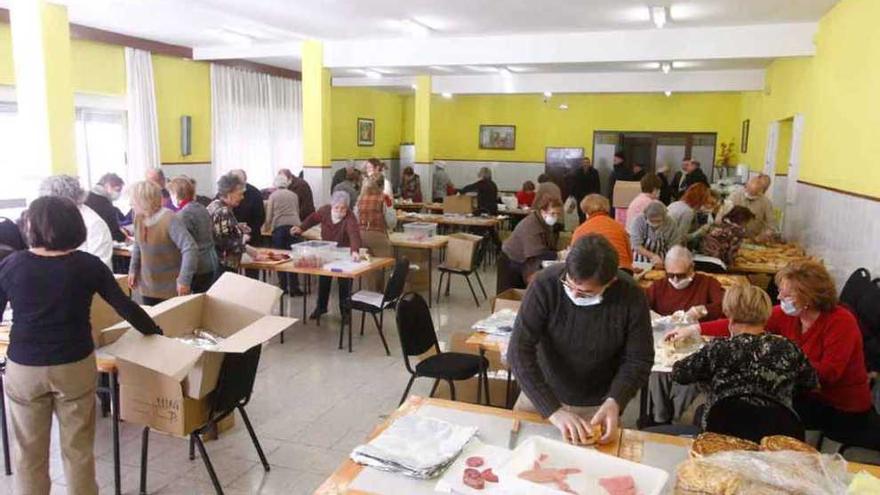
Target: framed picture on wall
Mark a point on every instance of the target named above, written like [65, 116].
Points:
[366, 132]
[744, 140]
[497, 137]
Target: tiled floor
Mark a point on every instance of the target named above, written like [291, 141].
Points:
[312, 404]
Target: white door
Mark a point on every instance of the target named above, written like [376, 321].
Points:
[794, 162]
[770, 154]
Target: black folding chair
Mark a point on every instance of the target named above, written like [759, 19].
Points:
[449, 271]
[393, 291]
[741, 416]
[417, 336]
[862, 436]
[234, 387]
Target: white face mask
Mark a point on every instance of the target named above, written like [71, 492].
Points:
[681, 283]
[751, 196]
[114, 195]
[550, 219]
[336, 217]
[789, 307]
[583, 301]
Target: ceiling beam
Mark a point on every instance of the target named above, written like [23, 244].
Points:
[583, 82]
[701, 43]
[256, 50]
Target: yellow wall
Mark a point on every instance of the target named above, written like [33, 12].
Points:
[408, 131]
[7, 67]
[456, 122]
[347, 105]
[183, 87]
[783, 150]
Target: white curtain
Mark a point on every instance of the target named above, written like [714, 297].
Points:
[143, 128]
[257, 123]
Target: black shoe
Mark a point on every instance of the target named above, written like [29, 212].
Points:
[316, 314]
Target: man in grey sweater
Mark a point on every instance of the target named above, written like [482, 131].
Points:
[582, 344]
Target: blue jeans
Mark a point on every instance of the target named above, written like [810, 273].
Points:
[283, 239]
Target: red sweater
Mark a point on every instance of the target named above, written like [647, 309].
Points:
[834, 347]
[704, 290]
[525, 198]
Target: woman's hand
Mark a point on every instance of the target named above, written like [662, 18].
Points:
[183, 290]
[656, 260]
[296, 231]
[683, 333]
[574, 428]
[132, 281]
[609, 417]
[697, 312]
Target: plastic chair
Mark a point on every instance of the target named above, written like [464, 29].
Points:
[737, 416]
[417, 337]
[475, 265]
[393, 291]
[234, 387]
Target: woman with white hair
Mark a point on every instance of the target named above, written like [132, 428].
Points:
[282, 214]
[338, 224]
[652, 234]
[99, 241]
[229, 236]
[487, 192]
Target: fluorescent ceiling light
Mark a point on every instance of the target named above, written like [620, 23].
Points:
[666, 67]
[414, 87]
[564, 106]
[416, 28]
[667, 93]
[548, 94]
[520, 68]
[658, 15]
[371, 74]
[447, 95]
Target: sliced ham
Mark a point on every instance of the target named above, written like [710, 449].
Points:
[489, 476]
[618, 485]
[475, 461]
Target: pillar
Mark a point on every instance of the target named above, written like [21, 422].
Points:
[424, 153]
[44, 91]
[316, 89]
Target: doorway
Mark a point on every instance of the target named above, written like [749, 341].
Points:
[781, 163]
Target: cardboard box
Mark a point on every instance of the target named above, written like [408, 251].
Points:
[624, 192]
[510, 298]
[165, 383]
[466, 390]
[458, 204]
[461, 249]
[103, 315]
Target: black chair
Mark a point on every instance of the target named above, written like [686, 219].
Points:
[862, 436]
[393, 291]
[449, 271]
[417, 336]
[234, 387]
[738, 416]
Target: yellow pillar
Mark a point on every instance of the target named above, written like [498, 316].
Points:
[44, 91]
[424, 154]
[316, 106]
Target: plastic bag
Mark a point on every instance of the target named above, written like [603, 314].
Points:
[784, 472]
[202, 339]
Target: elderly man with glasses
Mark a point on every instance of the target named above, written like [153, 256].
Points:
[582, 346]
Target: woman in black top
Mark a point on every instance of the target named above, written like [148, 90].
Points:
[51, 367]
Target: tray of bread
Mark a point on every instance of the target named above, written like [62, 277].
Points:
[722, 464]
[767, 257]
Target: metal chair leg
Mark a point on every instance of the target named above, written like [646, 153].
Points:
[486, 383]
[145, 445]
[473, 293]
[192, 449]
[451, 389]
[440, 286]
[250, 429]
[341, 332]
[7, 461]
[412, 378]
[114, 430]
[363, 317]
[481, 284]
[434, 388]
[381, 333]
[448, 283]
[208, 465]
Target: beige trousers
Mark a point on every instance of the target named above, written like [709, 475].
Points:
[380, 247]
[523, 403]
[35, 393]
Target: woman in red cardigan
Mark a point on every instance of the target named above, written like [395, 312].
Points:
[829, 335]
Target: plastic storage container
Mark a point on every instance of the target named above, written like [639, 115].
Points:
[312, 254]
[419, 231]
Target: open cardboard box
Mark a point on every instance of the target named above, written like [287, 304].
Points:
[463, 204]
[466, 390]
[165, 383]
[509, 299]
[103, 315]
[460, 250]
[625, 191]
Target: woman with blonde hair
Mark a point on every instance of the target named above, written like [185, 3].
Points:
[370, 212]
[164, 256]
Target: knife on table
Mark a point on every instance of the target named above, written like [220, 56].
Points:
[514, 434]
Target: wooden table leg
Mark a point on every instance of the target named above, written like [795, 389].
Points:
[430, 275]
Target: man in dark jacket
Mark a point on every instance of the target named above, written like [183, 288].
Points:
[303, 192]
[693, 174]
[487, 192]
[101, 198]
[583, 182]
[250, 211]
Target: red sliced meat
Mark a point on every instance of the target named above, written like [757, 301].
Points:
[475, 483]
[618, 485]
[489, 476]
[472, 473]
[475, 461]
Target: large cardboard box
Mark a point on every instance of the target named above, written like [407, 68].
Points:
[458, 204]
[510, 298]
[466, 390]
[460, 250]
[624, 192]
[103, 315]
[165, 383]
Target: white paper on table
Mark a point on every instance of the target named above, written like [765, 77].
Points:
[498, 323]
[493, 457]
[344, 266]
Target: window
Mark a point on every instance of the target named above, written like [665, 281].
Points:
[101, 147]
[19, 181]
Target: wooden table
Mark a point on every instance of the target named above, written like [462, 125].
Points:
[400, 240]
[409, 206]
[456, 220]
[629, 445]
[434, 207]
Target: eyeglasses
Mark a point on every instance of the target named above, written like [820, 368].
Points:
[677, 276]
[564, 279]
